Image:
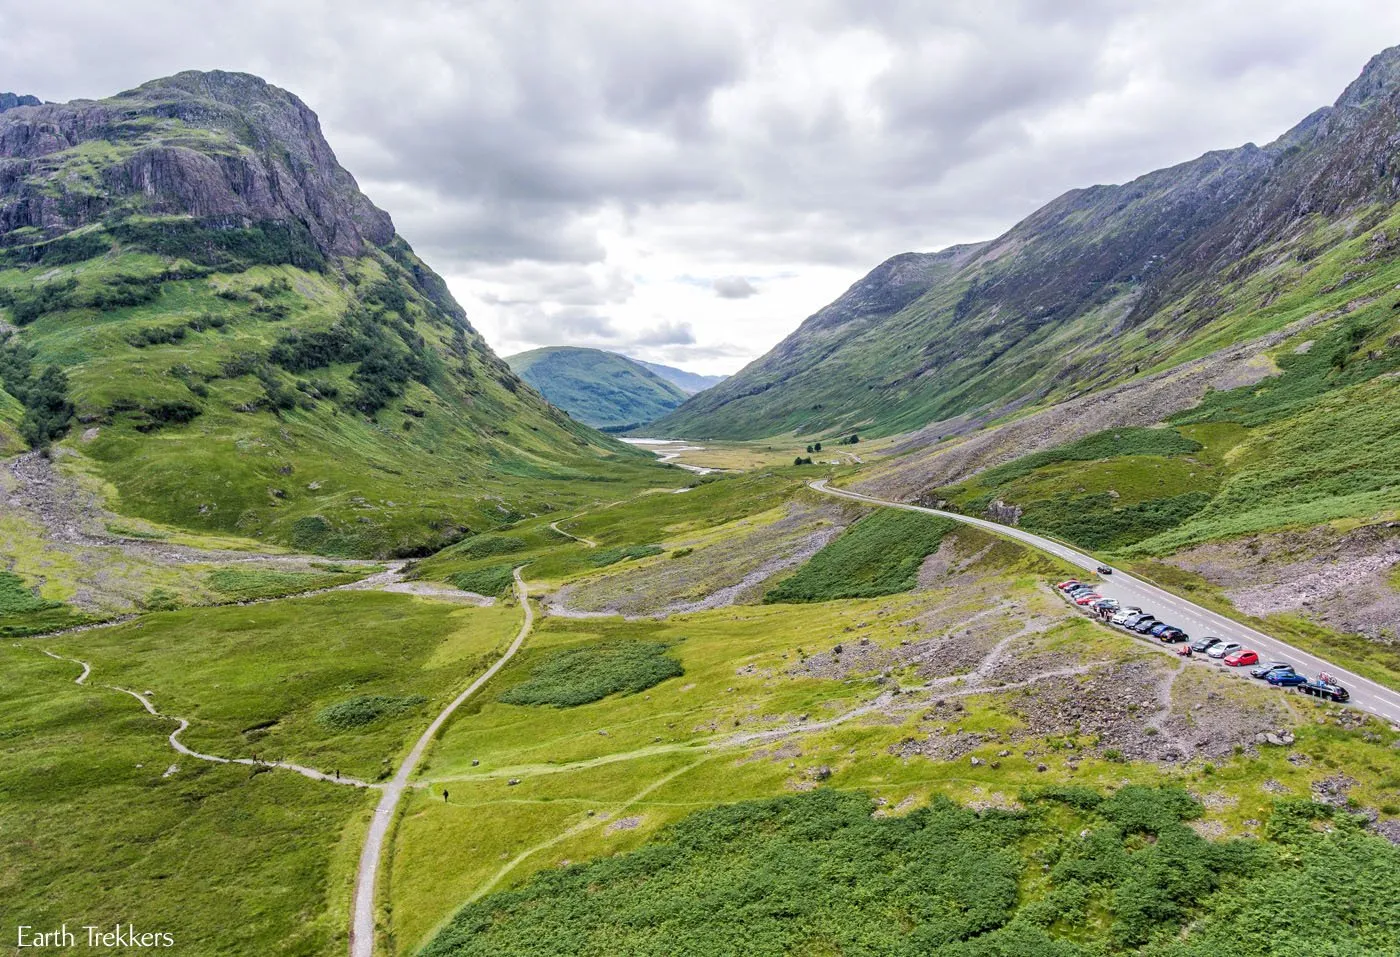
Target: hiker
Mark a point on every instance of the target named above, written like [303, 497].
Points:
[444, 795]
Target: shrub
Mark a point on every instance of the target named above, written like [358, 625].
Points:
[879, 555]
[496, 580]
[363, 710]
[576, 676]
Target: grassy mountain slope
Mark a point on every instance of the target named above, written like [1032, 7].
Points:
[1099, 286]
[601, 389]
[249, 347]
[688, 382]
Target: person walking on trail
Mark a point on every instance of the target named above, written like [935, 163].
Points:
[444, 795]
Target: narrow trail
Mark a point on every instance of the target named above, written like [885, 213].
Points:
[184, 723]
[579, 828]
[578, 538]
[362, 909]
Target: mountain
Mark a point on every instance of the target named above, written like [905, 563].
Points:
[602, 389]
[688, 382]
[202, 311]
[1100, 285]
[9, 101]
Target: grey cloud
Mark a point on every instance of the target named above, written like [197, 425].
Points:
[666, 334]
[734, 287]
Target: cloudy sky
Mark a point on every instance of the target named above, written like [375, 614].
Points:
[686, 181]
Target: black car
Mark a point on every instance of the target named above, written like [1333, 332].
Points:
[1104, 570]
[1202, 645]
[1320, 689]
[1172, 634]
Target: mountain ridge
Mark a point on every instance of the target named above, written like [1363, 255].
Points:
[1091, 289]
[201, 308]
[603, 389]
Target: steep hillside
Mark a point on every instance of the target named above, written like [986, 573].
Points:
[688, 382]
[602, 389]
[202, 310]
[1099, 286]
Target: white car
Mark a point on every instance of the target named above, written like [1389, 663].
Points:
[1125, 614]
[1224, 648]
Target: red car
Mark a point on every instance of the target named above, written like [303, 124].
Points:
[1242, 657]
[1066, 586]
[1086, 599]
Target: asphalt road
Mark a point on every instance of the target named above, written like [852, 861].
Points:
[362, 910]
[1192, 618]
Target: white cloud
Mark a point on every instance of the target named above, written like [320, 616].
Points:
[571, 168]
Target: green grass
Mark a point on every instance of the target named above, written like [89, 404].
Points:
[576, 676]
[227, 861]
[1101, 445]
[366, 709]
[256, 679]
[879, 555]
[22, 612]
[245, 585]
[819, 874]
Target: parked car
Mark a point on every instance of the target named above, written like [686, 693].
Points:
[1145, 625]
[1122, 617]
[1224, 648]
[1172, 634]
[1104, 570]
[1322, 689]
[1156, 630]
[1088, 597]
[1241, 658]
[1269, 667]
[1285, 679]
[1202, 645]
[1106, 604]
[1067, 585]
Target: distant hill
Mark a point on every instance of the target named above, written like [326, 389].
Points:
[200, 307]
[601, 389]
[689, 382]
[1099, 286]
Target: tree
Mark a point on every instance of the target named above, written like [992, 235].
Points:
[853, 439]
[47, 410]
[809, 448]
[815, 448]
[797, 461]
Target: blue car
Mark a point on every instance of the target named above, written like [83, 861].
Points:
[1285, 679]
[1156, 630]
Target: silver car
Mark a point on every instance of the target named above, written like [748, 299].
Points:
[1224, 648]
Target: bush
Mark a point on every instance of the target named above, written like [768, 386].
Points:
[496, 580]
[577, 676]
[366, 709]
[879, 555]
[610, 556]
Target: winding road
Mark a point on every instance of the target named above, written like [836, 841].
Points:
[1366, 694]
[366, 878]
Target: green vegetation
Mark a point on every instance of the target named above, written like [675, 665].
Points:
[494, 581]
[602, 389]
[366, 709]
[256, 679]
[800, 874]
[47, 409]
[226, 860]
[611, 556]
[571, 677]
[879, 555]
[1100, 445]
[248, 584]
[23, 612]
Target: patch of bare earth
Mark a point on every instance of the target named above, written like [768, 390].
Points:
[1340, 580]
[733, 570]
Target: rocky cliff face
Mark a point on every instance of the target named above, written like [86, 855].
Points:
[1094, 287]
[9, 101]
[226, 148]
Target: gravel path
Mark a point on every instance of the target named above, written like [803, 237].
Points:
[578, 538]
[362, 912]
